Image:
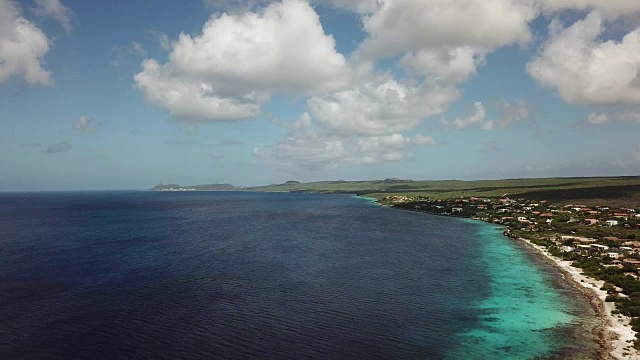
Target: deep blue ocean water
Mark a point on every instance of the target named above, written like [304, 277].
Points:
[177, 275]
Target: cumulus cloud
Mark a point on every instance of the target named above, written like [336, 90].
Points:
[85, 124]
[304, 122]
[382, 105]
[425, 140]
[610, 8]
[306, 150]
[22, 47]
[229, 70]
[375, 149]
[59, 147]
[584, 69]
[397, 26]
[448, 64]
[55, 10]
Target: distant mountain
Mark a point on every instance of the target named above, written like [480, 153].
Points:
[161, 187]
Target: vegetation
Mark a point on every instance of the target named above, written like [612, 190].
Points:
[613, 191]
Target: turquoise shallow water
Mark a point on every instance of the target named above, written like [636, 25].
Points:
[518, 319]
[105, 275]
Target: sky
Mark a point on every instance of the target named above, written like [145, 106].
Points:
[128, 94]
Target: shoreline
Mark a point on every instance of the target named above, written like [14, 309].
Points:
[615, 335]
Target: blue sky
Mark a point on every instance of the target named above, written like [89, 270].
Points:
[128, 94]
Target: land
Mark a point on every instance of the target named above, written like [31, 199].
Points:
[589, 228]
[612, 191]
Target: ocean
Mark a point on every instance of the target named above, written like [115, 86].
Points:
[204, 275]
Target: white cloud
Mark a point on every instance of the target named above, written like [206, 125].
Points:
[304, 151]
[238, 61]
[398, 26]
[22, 47]
[311, 150]
[376, 149]
[189, 99]
[610, 8]
[512, 112]
[598, 118]
[425, 140]
[610, 117]
[85, 124]
[476, 119]
[381, 106]
[586, 70]
[304, 122]
[449, 64]
[59, 147]
[55, 10]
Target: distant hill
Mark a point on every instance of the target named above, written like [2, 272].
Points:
[613, 191]
[160, 187]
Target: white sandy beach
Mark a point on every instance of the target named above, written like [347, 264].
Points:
[620, 334]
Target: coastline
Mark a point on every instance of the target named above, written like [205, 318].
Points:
[615, 335]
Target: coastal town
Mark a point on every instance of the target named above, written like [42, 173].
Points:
[598, 247]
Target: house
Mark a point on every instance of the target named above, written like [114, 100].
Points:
[567, 249]
[599, 248]
[546, 215]
[522, 219]
[621, 216]
[626, 249]
[583, 249]
[611, 223]
[591, 221]
[456, 210]
[612, 255]
[502, 211]
[611, 238]
[631, 262]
